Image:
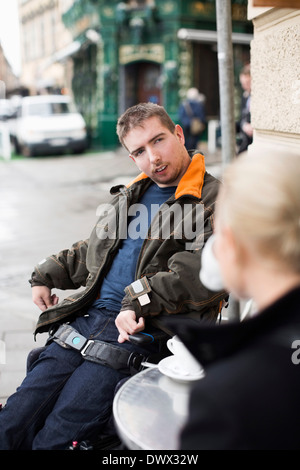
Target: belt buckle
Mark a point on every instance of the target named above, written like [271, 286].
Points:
[76, 341]
[90, 341]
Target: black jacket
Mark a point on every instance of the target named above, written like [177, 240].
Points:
[250, 395]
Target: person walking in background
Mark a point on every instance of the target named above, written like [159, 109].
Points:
[192, 117]
[244, 127]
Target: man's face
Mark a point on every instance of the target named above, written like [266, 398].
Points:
[245, 81]
[158, 152]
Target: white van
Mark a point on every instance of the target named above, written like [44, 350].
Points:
[49, 124]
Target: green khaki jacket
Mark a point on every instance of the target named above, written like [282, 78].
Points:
[168, 264]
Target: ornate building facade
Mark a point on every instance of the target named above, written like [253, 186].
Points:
[147, 50]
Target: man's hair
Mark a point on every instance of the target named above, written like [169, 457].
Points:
[246, 70]
[136, 115]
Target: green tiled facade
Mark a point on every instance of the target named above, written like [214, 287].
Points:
[137, 56]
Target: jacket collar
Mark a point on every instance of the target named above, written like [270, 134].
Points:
[192, 181]
[280, 322]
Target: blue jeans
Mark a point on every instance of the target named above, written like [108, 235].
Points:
[64, 398]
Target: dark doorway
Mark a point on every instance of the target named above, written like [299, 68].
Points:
[206, 73]
[206, 76]
[140, 83]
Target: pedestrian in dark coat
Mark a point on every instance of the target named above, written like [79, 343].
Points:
[245, 129]
[192, 117]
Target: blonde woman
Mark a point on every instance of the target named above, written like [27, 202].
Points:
[249, 397]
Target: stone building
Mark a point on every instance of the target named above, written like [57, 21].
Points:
[44, 38]
[275, 70]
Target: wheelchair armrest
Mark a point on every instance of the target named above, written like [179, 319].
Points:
[148, 336]
[33, 356]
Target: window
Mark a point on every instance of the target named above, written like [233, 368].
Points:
[47, 109]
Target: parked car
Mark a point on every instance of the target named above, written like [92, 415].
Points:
[49, 124]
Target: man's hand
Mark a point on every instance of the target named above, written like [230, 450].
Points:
[41, 296]
[127, 324]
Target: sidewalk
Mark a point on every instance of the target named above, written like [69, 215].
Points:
[45, 206]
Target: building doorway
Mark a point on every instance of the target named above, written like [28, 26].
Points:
[140, 82]
[206, 76]
[206, 73]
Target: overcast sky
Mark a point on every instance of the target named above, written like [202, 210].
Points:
[9, 33]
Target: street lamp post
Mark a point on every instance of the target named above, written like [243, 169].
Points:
[226, 87]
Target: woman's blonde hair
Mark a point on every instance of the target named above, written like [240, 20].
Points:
[260, 201]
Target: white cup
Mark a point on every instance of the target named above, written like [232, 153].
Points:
[184, 360]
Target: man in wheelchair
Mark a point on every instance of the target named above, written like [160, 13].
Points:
[140, 263]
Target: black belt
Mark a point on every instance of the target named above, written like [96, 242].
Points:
[98, 351]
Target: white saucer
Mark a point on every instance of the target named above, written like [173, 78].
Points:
[167, 367]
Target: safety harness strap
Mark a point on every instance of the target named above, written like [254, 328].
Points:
[98, 351]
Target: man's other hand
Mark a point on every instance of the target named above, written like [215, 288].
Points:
[127, 324]
[41, 296]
